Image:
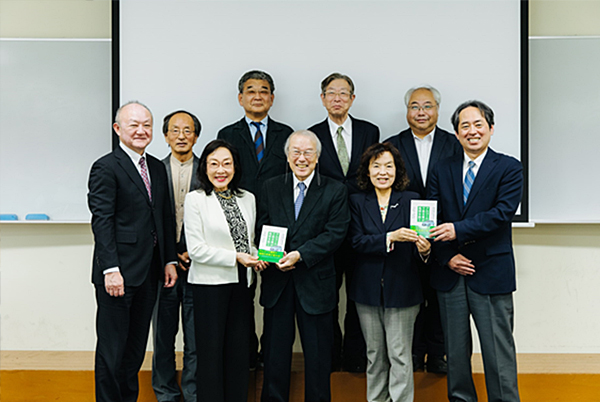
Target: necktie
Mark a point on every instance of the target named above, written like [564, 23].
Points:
[342, 151]
[469, 178]
[299, 199]
[259, 145]
[144, 172]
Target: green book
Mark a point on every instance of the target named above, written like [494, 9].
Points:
[272, 243]
[423, 216]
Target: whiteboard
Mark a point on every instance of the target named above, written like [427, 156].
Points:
[55, 120]
[564, 105]
[190, 54]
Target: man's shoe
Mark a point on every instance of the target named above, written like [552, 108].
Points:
[418, 363]
[437, 365]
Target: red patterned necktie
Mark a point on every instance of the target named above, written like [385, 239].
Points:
[144, 171]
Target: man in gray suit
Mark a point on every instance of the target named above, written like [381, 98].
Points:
[181, 130]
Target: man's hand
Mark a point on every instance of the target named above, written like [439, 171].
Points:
[170, 275]
[114, 284]
[288, 261]
[444, 232]
[246, 260]
[461, 265]
[184, 260]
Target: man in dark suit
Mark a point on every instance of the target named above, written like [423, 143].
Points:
[181, 130]
[259, 140]
[478, 194]
[422, 146]
[344, 140]
[314, 210]
[134, 249]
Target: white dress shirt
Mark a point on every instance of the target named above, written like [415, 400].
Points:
[423, 147]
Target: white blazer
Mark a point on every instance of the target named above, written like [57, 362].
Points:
[209, 241]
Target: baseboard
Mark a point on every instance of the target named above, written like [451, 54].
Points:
[528, 363]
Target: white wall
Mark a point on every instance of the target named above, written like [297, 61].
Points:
[47, 300]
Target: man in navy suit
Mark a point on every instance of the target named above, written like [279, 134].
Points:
[181, 130]
[134, 249]
[344, 140]
[422, 146]
[478, 194]
[259, 139]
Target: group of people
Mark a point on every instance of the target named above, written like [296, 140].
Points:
[179, 237]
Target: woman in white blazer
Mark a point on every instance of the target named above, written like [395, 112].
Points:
[219, 221]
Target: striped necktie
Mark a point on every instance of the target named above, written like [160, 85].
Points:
[144, 173]
[469, 179]
[259, 145]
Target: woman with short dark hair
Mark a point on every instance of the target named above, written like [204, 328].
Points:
[386, 286]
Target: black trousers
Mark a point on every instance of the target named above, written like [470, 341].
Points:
[351, 345]
[317, 338]
[122, 326]
[221, 318]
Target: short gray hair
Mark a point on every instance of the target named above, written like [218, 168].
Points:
[303, 133]
[434, 92]
[131, 102]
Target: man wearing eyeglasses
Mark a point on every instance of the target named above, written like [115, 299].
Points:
[344, 140]
[422, 145]
[181, 130]
[259, 140]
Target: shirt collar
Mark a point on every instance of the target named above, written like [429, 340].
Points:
[477, 160]
[175, 161]
[427, 138]
[264, 123]
[135, 157]
[307, 181]
[347, 125]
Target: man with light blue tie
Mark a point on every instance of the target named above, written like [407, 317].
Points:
[478, 193]
[259, 140]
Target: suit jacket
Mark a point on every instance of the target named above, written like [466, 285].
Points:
[209, 241]
[124, 219]
[483, 226]
[444, 145]
[320, 229]
[274, 161]
[364, 134]
[378, 275]
[194, 185]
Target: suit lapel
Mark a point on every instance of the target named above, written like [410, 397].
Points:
[358, 145]
[195, 184]
[439, 142]
[127, 165]
[327, 144]
[243, 131]
[314, 194]
[488, 164]
[272, 130]
[457, 180]
[394, 211]
[287, 200]
[408, 143]
[167, 163]
[372, 209]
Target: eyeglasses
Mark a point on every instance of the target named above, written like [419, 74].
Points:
[342, 94]
[308, 154]
[425, 108]
[186, 131]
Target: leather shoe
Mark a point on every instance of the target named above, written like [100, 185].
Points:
[418, 363]
[437, 365]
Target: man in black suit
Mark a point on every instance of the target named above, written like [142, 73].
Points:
[134, 249]
[259, 140]
[422, 145]
[344, 140]
[181, 130]
[314, 209]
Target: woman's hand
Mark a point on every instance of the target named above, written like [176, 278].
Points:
[404, 235]
[246, 260]
[261, 266]
[423, 246]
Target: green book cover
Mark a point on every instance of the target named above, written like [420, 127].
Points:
[423, 216]
[272, 243]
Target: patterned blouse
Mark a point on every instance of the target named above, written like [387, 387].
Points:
[237, 225]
